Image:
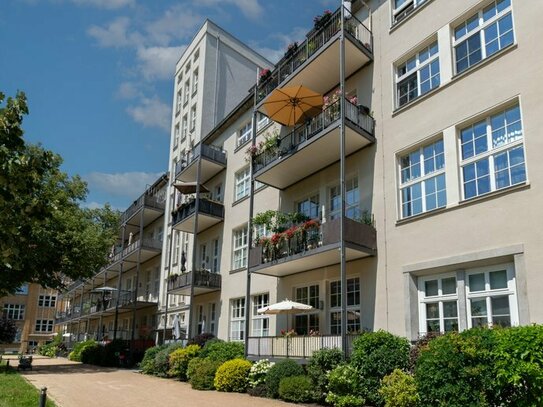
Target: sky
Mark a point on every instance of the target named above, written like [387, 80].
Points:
[98, 75]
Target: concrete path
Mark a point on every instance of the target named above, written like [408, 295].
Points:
[72, 384]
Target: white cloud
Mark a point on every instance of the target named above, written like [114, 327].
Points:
[159, 62]
[128, 90]
[176, 23]
[124, 184]
[283, 40]
[151, 112]
[250, 8]
[116, 34]
[108, 4]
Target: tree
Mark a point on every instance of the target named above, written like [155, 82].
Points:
[8, 330]
[45, 236]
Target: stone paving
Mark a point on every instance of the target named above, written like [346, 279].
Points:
[72, 384]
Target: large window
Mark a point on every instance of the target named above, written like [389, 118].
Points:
[352, 200]
[492, 153]
[438, 304]
[44, 325]
[483, 34]
[185, 125]
[237, 319]
[187, 92]
[309, 206]
[14, 311]
[176, 136]
[243, 183]
[195, 80]
[216, 263]
[244, 134]
[262, 121]
[353, 306]
[261, 323]
[418, 75]
[402, 8]
[178, 102]
[307, 323]
[192, 118]
[47, 300]
[422, 179]
[240, 248]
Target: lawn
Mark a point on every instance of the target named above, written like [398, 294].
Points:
[15, 391]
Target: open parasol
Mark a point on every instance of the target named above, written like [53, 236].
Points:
[292, 105]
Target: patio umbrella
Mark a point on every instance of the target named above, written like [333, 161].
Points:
[189, 187]
[285, 307]
[292, 105]
[103, 290]
[176, 327]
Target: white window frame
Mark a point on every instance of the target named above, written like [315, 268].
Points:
[212, 318]
[44, 325]
[176, 136]
[312, 199]
[480, 30]
[244, 134]
[178, 102]
[47, 301]
[237, 319]
[260, 323]
[185, 125]
[195, 81]
[491, 152]
[216, 262]
[423, 178]
[193, 118]
[242, 183]
[419, 65]
[186, 92]
[440, 298]
[311, 300]
[240, 247]
[11, 311]
[401, 12]
[352, 308]
[262, 121]
[352, 208]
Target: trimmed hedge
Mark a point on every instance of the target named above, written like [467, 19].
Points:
[221, 351]
[147, 365]
[201, 373]
[298, 389]
[179, 361]
[232, 376]
[282, 369]
[399, 389]
[344, 387]
[75, 354]
[321, 363]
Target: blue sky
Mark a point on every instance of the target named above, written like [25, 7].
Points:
[98, 75]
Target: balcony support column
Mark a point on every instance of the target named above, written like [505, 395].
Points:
[136, 285]
[250, 233]
[119, 285]
[343, 265]
[170, 245]
[80, 312]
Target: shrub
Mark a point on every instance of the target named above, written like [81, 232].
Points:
[75, 354]
[201, 339]
[220, 351]
[232, 376]
[344, 387]
[420, 345]
[202, 373]
[147, 364]
[321, 363]
[398, 389]
[298, 389]
[53, 348]
[112, 351]
[92, 354]
[519, 366]
[257, 374]
[375, 355]
[282, 369]
[260, 390]
[456, 370]
[179, 361]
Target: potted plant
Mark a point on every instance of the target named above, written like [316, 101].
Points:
[320, 21]
[264, 75]
[291, 49]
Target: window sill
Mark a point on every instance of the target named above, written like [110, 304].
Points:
[235, 271]
[398, 24]
[418, 99]
[242, 145]
[240, 200]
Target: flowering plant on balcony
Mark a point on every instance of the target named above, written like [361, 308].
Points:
[253, 151]
[264, 75]
[314, 332]
[291, 49]
[311, 224]
[321, 20]
[289, 333]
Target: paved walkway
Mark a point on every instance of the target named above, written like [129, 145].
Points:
[72, 384]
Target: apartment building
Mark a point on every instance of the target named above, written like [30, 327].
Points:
[214, 73]
[32, 308]
[420, 175]
[121, 300]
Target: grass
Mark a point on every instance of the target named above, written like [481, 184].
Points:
[15, 391]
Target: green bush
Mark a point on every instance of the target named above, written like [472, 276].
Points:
[320, 364]
[344, 387]
[75, 354]
[418, 347]
[399, 389]
[232, 375]
[282, 369]
[92, 354]
[179, 361]
[53, 348]
[260, 390]
[298, 389]
[111, 352]
[201, 373]
[201, 339]
[147, 365]
[375, 355]
[519, 366]
[221, 351]
[457, 370]
[258, 372]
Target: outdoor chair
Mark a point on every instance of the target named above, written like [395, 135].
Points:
[25, 362]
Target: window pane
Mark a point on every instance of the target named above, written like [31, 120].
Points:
[430, 288]
[451, 325]
[498, 279]
[448, 285]
[500, 305]
[432, 325]
[450, 309]
[432, 310]
[477, 282]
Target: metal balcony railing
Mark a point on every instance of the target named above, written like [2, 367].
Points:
[143, 244]
[200, 278]
[208, 151]
[151, 201]
[206, 207]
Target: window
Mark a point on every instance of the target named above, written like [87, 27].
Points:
[237, 319]
[352, 200]
[262, 121]
[44, 325]
[195, 81]
[402, 8]
[176, 244]
[176, 136]
[438, 304]
[201, 319]
[240, 248]
[309, 207]
[185, 123]
[422, 180]
[216, 265]
[192, 118]
[203, 256]
[14, 311]
[187, 92]
[244, 134]
[492, 153]
[179, 78]
[243, 183]
[483, 34]
[212, 317]
[178, 103]
[304, 324]
[418, 75]
[353, 306]
[217, 193]
[261, 323]
[47, 301]
[22, 290]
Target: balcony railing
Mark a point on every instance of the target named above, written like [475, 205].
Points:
[206, 207]
[208, 151]
[297, 347]
[316, 40]
[288, 144]
[199, 278]
[144, 200]
[153, 244]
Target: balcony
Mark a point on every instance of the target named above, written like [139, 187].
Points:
[204, 282]
[127, 302]
[315, 63]
[153, 206]
[209, 214]
[317, 249]
[294, 347]
[314, 145]
[213, 161]
[142, 250]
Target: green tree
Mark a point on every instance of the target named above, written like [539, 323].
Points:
[8, 330]
[45, 236]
